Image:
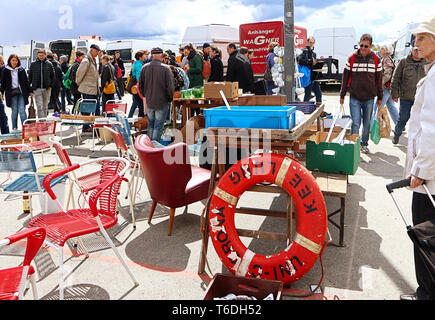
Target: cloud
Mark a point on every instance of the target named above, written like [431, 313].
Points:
[383, 19]
[167, 20]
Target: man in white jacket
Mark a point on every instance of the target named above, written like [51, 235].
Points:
[420, 162]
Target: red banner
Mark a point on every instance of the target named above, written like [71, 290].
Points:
[257, 36]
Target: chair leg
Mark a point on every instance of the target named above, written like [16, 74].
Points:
[153, 207]
[130, 191]
[61, 281]
[112, 245]
[34, 290]
[171, 221]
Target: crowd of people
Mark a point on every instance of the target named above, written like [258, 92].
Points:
[54, 83]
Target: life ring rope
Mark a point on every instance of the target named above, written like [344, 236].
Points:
[300, 256]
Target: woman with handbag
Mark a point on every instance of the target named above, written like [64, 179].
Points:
[15, 85]
[108, 84]
[137, 101]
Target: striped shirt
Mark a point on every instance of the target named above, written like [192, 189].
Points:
[365, 78]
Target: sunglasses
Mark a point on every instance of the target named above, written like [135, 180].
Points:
[363, 46]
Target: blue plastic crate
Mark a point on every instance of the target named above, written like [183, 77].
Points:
[252, 117]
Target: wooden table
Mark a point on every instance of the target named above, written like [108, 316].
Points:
[188, 104]
[334, 185]
[279, 141]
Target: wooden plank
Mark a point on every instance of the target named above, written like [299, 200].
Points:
[261, 212]
[331, 184]
[262, 235]
[267, 189]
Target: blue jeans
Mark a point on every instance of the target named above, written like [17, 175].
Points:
[65, 94]
[391, 107]
[156, 120]
[4, 127]
[313, 86]
[361, 111]
[18, 107]
[137, 103]
[270, 85]
[404, 115]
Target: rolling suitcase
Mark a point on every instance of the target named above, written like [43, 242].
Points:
[423, 234]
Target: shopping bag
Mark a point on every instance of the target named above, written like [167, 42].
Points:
[32, 111]
[306, 79]
[384, 123]
[374, 132]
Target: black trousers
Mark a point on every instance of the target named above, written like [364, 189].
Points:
[54, 99]
[422, 210]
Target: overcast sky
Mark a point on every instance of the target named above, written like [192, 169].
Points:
[45, 20]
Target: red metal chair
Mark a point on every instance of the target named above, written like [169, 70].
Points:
[13, 281]
[171, 184]
[100, 215]
[36, 128]
[85, 183]
[115, 105]
[124, 152]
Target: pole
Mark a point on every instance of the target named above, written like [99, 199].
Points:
[289, 48]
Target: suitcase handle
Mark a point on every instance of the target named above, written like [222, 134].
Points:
[398, 184]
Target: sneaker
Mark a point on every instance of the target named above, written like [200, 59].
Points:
[365, 149]
[396, 139]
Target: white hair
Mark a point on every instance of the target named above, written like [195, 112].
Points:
[387, 48]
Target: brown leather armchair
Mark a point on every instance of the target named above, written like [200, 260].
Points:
[170, 178]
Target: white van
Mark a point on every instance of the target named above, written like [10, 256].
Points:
[404, 42]
[334, 45]
[128, 48]
[218, 35]
[66, 47]
[22, 51]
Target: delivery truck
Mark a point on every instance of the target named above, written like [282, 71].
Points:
[334, 46]
[257, 36]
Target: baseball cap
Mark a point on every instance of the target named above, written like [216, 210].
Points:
[156, 50]
[96, 47]
[425, 27]
[206, 45]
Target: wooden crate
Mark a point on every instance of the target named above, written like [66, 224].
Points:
[224, 284]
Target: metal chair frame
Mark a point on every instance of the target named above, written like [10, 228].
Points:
[93, 208]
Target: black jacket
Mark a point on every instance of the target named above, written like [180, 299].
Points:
[65, 66]
[58, 74]
[217, 69]
[120, 63]
[107, 75]
[48, 75]
[74, 87]
[6, 85]
[232, 67]
[240, 70]
[306, 58]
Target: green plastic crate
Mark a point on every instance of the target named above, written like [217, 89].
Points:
[333, 157]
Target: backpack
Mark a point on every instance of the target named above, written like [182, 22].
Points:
[206, 69]
[118, 71]
[352, 60]
[68, 80]
[388, 84]
[268, 73]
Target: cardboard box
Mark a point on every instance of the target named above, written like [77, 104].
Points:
[212, 89]
[332, 157]
[256, 100]
[223, 284]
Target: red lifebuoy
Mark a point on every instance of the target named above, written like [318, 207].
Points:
[301, 255]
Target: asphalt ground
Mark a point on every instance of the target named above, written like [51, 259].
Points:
[376, 262]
